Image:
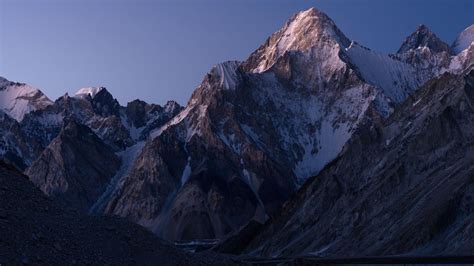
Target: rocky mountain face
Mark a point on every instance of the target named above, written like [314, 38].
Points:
[424, 37]
[251, 135]
[402, 185]
[16, 100]
[37, 230]
[142, 118]
[70, 148]
[75, 167]
[294, 103]
[15, 146]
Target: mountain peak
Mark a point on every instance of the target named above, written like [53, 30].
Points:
[171, 106]
[91, 91]
[423, 28]
[312, 23]
[423, 37]
[18, 99]
[311, 12]
[464, 40]
[304, 31]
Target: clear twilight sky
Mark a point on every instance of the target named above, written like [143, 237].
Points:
[161, 50]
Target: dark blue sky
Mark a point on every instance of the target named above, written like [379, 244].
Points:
[160, 50]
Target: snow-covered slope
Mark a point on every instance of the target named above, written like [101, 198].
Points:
[17, 99]
[397, 79]
[464, 40]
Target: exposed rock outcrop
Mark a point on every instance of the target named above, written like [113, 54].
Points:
[75, 167]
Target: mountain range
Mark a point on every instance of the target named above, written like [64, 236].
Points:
[325, 144]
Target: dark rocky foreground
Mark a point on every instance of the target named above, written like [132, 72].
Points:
[388, 260]
[37, 230]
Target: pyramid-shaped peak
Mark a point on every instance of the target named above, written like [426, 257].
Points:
[305, 31]
[312, 11]
[423, 28]
[423, 37]
[313, 21]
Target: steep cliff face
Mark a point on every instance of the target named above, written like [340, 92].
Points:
[75, 167]
[401, 186]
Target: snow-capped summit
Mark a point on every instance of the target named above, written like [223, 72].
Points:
[423, 37]
[464, 40]
[303, 32]
[18, 99]
[91, 91]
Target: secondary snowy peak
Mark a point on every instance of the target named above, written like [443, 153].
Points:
[91, 91]
[423, 37]
[304, 32]
[18, 99]
[464, 40]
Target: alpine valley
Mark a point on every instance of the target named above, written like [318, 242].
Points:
[315, 145]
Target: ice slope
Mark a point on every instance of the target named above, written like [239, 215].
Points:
[464, 40]
[396, 78]
[312, 129]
